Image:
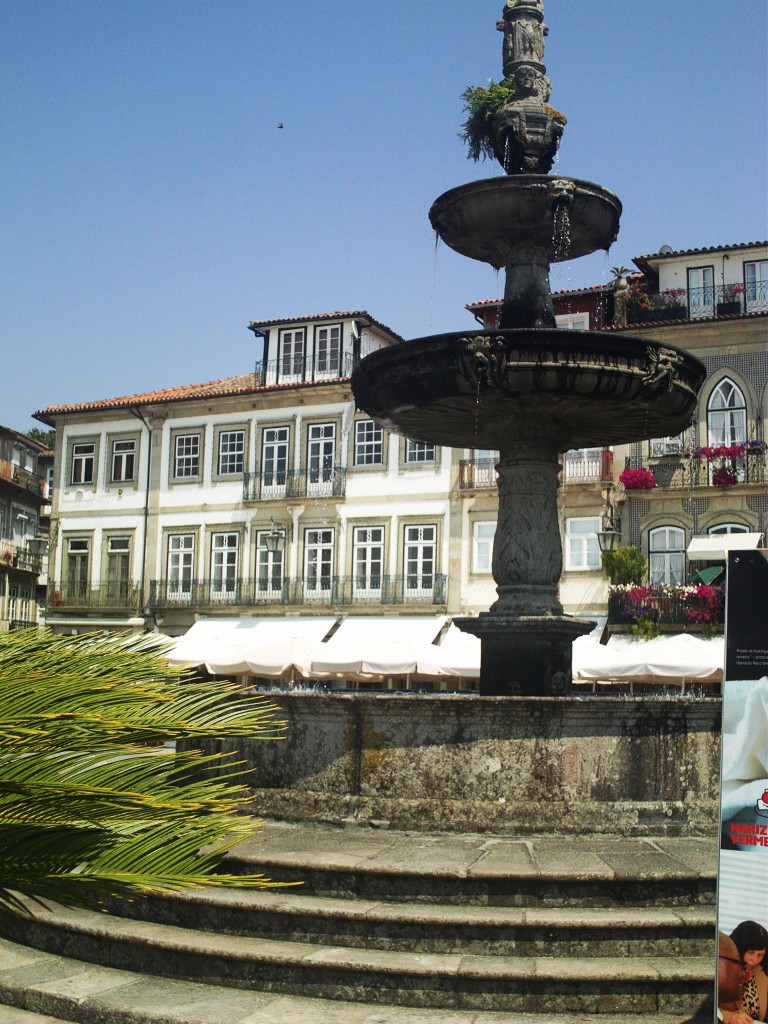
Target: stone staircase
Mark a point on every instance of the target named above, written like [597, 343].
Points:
[390, 927]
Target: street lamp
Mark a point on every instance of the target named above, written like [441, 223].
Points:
[274, 541]
[608, 538]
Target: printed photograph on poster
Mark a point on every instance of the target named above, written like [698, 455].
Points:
[744, 797]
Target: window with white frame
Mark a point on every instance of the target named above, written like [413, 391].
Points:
[482, 546]
[582, 552]
[666, 555]
[756, 285]
[701, 291]
[186, 456]
[416, 452]
[727, 415]
[225, 549]
[368, 559]
[83, 462]
[118, 566]
[318, 561]
[274, 461]
[123, 460]
[369, 443]
[231, 453]
[573, 321]
[269, 567]
[420, 553]
[181, 562]
[728, 528]
[291, 358]
[78, 558]
[327, 350]
[321, 446]
[661, 446]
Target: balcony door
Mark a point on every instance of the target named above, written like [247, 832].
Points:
[181, 560]
[291, 360]
[420, 552]
[701, 291]
[368, 554]
[78, 554]
[224, 563]
[327, 352]
[274, 462]
[318, 564]
[321, 447]
[118, 559]
[269, 569]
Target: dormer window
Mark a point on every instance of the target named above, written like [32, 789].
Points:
[291, 358]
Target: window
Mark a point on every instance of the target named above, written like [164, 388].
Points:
[274, 462]
[181, 555]
[582, 464]
[83, 460]
[369, 443]
[701, 291]
[728, 528]
[420, 554]
[327, 351]
[318, 562]
[78, 550]
[666, 555]
[186, 456]
[231, 452]
[118, 559]
[320, 451]
[224, 560]
[727, 415]
[482, 546]
[582, 549]
[123, 460]
[415, 451]
[661, 446]
[573, 321]
[368, 557]
[756, 285]
[269, 568]
[291, 358]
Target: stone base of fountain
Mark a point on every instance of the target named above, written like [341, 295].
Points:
[525, 655]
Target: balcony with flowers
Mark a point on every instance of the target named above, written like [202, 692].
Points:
[648, 610]
[719, 466]
[646, 306]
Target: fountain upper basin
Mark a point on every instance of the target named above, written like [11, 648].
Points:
[497, 389]
[489, 219]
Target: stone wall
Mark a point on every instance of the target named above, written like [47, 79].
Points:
[575, 765]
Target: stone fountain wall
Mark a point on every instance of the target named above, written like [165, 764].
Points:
[575, 765]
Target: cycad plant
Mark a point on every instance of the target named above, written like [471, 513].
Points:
[94, 800]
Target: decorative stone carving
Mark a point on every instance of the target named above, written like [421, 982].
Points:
[662, 369]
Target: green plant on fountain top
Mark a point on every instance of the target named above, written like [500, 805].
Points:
[482, 105]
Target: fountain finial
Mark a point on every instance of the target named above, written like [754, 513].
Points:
[526, 131]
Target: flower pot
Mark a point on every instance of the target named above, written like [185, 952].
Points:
[730, 308]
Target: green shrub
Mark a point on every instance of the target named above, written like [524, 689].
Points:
[625, 565]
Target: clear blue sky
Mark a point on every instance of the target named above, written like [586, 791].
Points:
[151, 207]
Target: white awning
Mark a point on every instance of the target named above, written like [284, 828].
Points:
[713, 546]
[377, 645]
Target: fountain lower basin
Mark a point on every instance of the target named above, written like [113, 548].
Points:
[500, 389]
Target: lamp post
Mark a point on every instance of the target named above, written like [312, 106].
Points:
[274, 541]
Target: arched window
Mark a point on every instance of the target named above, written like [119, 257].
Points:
[727, 415]
[667, 555]
[728, 528]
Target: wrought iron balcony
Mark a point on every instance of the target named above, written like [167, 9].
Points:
[688, 471]
[22, 477]
[17, 556]
[325, 590]
[668, 610]
[306, 370]
[693, 303]
[105, 595]
[274, 485]
[477, 474]
[583, 466]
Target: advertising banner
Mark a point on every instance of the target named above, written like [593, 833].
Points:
[743, 870]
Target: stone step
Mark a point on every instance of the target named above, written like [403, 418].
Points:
[608, 984]
[40, 988]
[545, 871]
[436, 928]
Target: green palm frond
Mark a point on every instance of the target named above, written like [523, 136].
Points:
[92, 805]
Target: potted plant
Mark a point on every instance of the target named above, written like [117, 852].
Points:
[625, 565]
[730, 303]
[724, 477]
[671, 304]
[640, 479]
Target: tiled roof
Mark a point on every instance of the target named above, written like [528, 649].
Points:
[241, 384]
[18, 435]
[589, 289]
[693, 252]
[354, 314]
[758, 314]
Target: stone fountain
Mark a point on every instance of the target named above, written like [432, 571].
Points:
[528, 390]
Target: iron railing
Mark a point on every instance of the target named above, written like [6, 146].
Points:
[577, 467]
[105, 594]
[707, 301]
[17, 556]
[306, 370]
[681, 471]
[324, 590]
[322, 482]
[23, 624]
[22, 477]
[662, 608]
